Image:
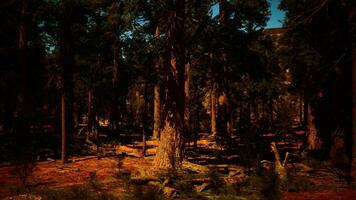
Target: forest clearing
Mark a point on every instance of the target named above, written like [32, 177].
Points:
[177, 99]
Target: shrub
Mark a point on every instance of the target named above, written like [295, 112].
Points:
[140, 192]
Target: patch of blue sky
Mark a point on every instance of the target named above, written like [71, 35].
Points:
[275, 20]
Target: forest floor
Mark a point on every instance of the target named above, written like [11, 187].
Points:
[320, 182]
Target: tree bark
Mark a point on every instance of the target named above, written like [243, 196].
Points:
[188, 127]
[91, 116]
[352, 42]
[301, 109]
[22, 99]
[157, 96]
[63, 128]
[213, 111]
[354, 112]
[170, 150]
[313, 142]
[66, 61]
[114, 101]
[144, 119]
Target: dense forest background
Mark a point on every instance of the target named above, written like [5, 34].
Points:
[85, 72]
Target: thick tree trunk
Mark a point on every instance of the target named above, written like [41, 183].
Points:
[157, 96]
[170, 150]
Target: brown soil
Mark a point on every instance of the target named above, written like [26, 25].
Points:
[57, 175]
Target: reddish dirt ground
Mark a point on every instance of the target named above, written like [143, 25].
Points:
[57, 175]
[323, 195]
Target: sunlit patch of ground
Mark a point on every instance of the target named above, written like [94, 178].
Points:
[326, 185]
[322, 195]
[56, 175]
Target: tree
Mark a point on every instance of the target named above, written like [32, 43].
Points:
[326, 88]
[66, 63]
[157, 93]
[170, 149]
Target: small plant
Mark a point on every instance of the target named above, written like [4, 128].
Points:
[140, 192]
[23, 170]
[93, 181]
[185, 188]
[298, 183]
[214, 180]
[78, 192]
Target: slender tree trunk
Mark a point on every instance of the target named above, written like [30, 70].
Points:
[157, 96]
[301, 109]
[188, 127]
[22, 108]
[213, 111]
[271, 118]
[90, 113]
[66, 61]
[313, 142]
[305, 111]
[144, 119]
[115, 96]
[353, 171]
[63, 128]
[224, 114]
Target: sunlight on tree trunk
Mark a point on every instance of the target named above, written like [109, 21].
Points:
[170, 149]
[157, 97]
[213, 111]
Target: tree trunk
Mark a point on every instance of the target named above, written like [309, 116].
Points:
[91, 116]
[157, 97]
[270, 113]
[305, 112]
[354, 112]
[188, 127]
[301, 109]
[224, 114]
[352, 41]
[63, 128]
[66, 61]
[313, 142]
[22, 99]
[144, 119]
[170, 150]
[213, 111]
[114, 101]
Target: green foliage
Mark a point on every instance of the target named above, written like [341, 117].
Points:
[215, 180]
[146, 193]
[84, 192]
